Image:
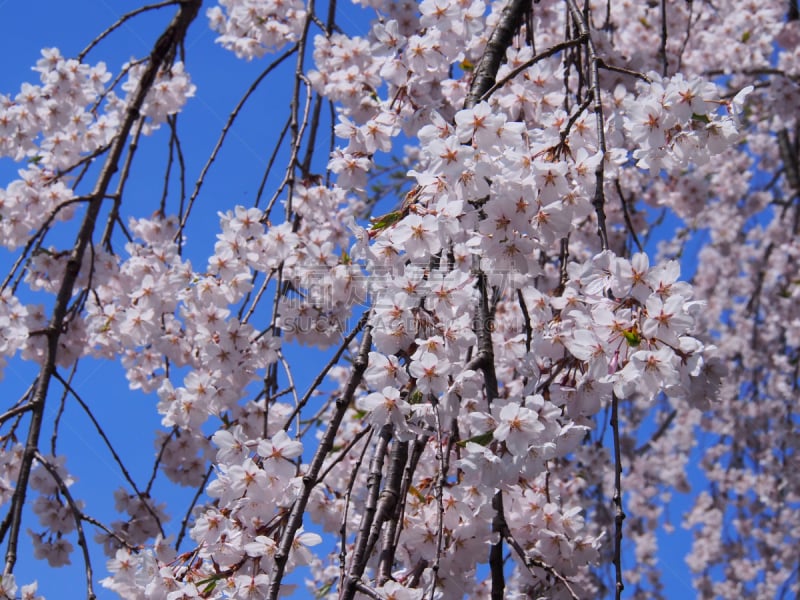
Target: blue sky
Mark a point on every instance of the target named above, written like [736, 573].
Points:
[221, 79]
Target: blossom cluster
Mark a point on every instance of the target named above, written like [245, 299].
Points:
[252, 28]
[497, 327]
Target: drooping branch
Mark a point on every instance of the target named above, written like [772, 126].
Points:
[162, 50]
[391, 534]
[78, 518]
[224, 133]
[310, 478]
[360, 554]
[500, 40]
[619, 513]
[594, 87]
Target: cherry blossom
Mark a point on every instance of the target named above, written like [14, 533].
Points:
[510, 381]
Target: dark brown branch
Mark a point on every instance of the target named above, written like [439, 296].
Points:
[162, 49]
[391, 535]
[553, 50]
[310, 478]
[347, 495]
[360, 553]
[485, 73]
[594, 87]
[619, 514]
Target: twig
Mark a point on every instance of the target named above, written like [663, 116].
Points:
[187, 517]
[662, 429]
[110, 447]
[627, 215]
[324, 372]
[231, 118]
[662, 50]
[344, 452]
[619, 515]
[121, 21]
[604, 65]
[77, 516]
[594, 86]
[529, 562]
[553, 50]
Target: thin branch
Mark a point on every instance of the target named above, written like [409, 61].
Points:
[662, 50]
[231, 118]
[604, 65]
[530, 562]
[627, 215]
[439, 493]
[121, 21]
[662, 429]
[324, 372]
[77, 517]
[553, 50]
[619, 515]
[344, 452]
[187, 517]
[594, 86]
[110, 446]
[17, 410]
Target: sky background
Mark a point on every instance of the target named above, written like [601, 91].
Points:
[130, 417]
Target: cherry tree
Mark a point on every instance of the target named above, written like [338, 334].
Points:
[507, 388]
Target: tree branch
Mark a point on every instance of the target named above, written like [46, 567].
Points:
[310, 478]
[161, 51]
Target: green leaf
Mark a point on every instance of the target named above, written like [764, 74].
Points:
[746, 36]
[701, 118]
[387, 220]
[482, 439]
[632, 337]
[212, 583]
[323, 591]
[466, 65]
